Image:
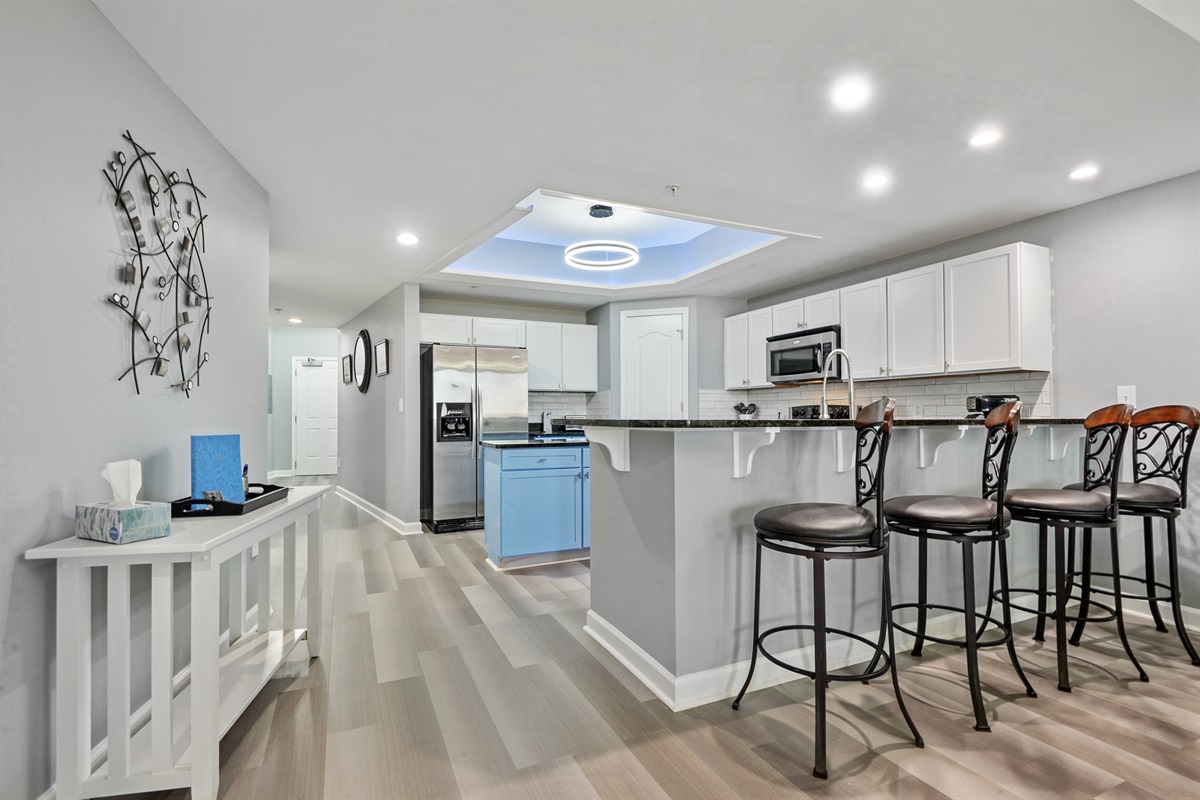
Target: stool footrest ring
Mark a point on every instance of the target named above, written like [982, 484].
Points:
[1109, 617]
[1072, 577]
[884, 659]
[958, 642]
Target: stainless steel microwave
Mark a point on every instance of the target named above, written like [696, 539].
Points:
[800, 356]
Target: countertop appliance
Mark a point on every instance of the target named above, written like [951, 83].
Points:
[814, 412]
[800, 356]
[978, 405]
[467, 394]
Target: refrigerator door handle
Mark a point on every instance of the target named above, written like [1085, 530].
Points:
[477, 419]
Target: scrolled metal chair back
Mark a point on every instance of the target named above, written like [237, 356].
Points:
[873, 434]
[1162, 445]
[1002, 425]
[1104, 439]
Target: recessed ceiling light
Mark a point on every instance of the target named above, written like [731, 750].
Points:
[295, 320]
[407, 238]
[875, 180]
[1084, 172]
[850, 93]
[985, 137]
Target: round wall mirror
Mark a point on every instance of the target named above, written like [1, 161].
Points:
[362, 360]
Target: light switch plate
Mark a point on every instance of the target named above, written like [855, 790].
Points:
[1127, 394]
[400, 405]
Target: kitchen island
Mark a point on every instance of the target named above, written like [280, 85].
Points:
[673, 559]
[536, 507]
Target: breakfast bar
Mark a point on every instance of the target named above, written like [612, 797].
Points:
[673, 548]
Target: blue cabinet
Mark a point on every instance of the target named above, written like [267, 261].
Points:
[535, 500]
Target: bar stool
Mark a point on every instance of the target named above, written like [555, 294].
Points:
[832, 532]
[967, 521]
[1105, 432]
[1162, 446]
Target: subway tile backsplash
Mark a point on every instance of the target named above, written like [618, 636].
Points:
[915, 397]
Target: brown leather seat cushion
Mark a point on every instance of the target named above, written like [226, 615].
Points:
[1057, 501]
[1139, 494]
[832, 523]
[941, 509]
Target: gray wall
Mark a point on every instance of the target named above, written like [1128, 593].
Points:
[1126, 282]
[454, 305]
[379, 446]
[71, 86]
[706, 343]
[286, 343]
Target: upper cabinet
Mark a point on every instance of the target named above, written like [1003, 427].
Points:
[998, 310]
[816, 311]
[746, 349]
[482, 331]
[562, 357]
[822, 309]
[864, 321]
[916, 325]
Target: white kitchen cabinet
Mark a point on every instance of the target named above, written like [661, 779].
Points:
[445, 329]
[823, 309]
[816, 311]
[562, 357]
[746, 349]
[997, 310]
[787, 317]
[498, 332]
[864, 328]
[483, 331]
[737, 365]
[916, 322]
[580, 358]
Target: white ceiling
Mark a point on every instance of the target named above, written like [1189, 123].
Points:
[365, 119]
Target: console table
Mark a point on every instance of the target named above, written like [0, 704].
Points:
[178, 745]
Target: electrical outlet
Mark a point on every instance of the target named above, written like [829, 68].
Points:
[400, 405]
[1127, 394]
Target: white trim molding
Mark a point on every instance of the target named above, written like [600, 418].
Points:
[681, 692]
[275, 475]
[392, 521]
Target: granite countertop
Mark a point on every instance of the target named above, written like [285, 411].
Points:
[909, 422]
[577, 440]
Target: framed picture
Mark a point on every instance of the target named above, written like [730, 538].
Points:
[347, 369]
[381, 357]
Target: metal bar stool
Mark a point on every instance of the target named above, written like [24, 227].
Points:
[1105, 432]
[1162, 447]
[967, 521]
[829, 532]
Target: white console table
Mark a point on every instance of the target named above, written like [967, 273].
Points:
[178, 746]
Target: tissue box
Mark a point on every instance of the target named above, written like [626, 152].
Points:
[106, 523]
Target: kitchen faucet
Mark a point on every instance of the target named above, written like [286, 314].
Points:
[547, 425]
[825, 383]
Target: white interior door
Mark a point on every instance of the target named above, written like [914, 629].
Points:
[315, 410]
[654, 364]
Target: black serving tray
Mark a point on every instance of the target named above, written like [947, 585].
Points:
[260, 494]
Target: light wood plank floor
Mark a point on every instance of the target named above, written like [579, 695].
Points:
[441, 678]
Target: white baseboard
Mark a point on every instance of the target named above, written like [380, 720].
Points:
[280, 473]
[698, 688]
[392, 521]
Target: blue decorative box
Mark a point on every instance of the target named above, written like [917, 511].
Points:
[217, 467]
[104, 522]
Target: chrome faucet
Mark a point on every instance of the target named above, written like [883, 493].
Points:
[547, 426]
[825, 383]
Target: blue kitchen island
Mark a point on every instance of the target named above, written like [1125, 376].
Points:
[536, 500]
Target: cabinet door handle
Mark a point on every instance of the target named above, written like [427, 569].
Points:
[881, 371]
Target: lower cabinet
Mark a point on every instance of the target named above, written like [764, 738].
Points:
[535, 501]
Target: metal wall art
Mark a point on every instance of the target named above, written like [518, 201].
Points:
[163, 270]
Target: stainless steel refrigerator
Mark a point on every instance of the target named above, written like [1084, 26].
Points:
[467, 394]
